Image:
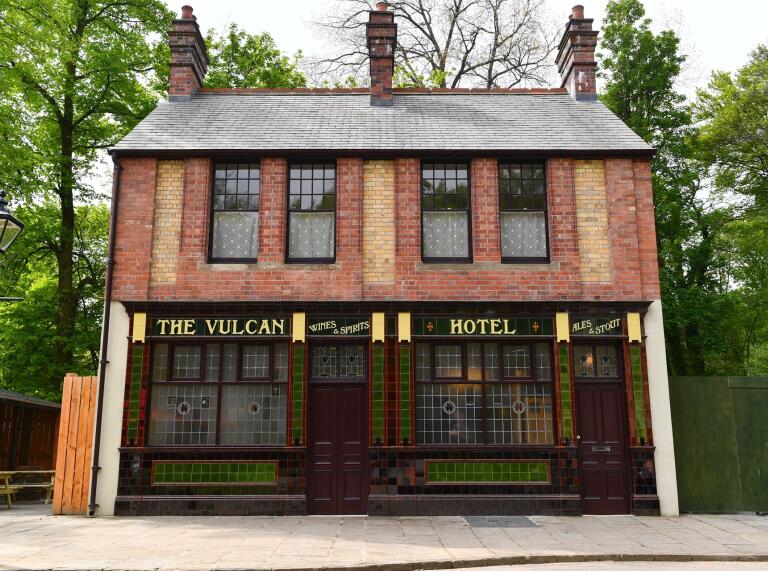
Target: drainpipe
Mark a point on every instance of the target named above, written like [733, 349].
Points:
[103, 362]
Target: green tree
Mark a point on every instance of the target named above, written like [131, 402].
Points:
[239, 59]
[74, 71]
[640, 69]
[28, 327]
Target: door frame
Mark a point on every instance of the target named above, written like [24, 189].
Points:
[620, 381]
[338, 382]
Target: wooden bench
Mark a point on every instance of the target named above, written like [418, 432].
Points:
[8, 488]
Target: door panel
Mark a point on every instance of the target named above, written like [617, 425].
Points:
[602, 448]
[338, 463]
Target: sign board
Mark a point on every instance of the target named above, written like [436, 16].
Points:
[596, 326]
[340, 327]
[482, 326]
[221, 327]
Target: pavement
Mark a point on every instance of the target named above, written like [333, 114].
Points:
[31, 538]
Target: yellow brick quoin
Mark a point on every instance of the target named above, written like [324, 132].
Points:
[378, 221]
[592, 221]
[166, 227]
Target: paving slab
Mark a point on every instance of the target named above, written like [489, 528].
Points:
[31, 538]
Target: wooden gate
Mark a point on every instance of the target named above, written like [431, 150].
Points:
[73, 458]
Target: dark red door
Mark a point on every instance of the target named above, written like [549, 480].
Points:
[338, 472]
[602, 448]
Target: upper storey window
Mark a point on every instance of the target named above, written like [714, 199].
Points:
[445, 212]
[235, 235]
[312, 212]
[523, 206]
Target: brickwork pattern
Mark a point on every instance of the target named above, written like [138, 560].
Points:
[166, 227]
[378, 221]
[584, 265]
[592, 221]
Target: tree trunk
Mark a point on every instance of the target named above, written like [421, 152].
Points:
[64, 256]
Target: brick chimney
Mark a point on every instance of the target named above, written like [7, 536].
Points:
[189, 60]
[576, 56]
[381, 32]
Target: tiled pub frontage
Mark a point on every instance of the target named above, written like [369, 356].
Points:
[386, 409]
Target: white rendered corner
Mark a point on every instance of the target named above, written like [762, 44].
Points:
[661, 417]
[112, 411]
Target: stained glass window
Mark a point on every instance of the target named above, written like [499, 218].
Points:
[445, 211]
[523, 208]
[596, 361]
[343, 361]
[235, 232]
[245, 386]
[458, 386]
[312, 212]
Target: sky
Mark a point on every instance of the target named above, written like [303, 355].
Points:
[715, 35]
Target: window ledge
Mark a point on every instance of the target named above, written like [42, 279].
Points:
[551, 266]
[266, 266]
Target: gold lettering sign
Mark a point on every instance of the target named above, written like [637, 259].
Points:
[482, 326]
[214, 327]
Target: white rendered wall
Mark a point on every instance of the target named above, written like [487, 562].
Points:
[112, 412]
[661, 418]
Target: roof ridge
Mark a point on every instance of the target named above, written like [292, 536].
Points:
[365, 90]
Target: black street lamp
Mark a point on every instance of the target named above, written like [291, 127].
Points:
[10, 227]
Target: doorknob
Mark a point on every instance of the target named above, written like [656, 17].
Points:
[578, 437]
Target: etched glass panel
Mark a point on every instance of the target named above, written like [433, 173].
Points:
[229, 374]
[235, 235]
[448, 361]
[311, 235]
[523, 235]
[543, 362]
[583, 360]
[186, 362]
[446, 234]
[160, 362]
[183, 414]
[351, 361]
[448, 414]
[474, 362]
[606, 361]
[281, 362]
[255, 362]
[422, 362]
[212, 358]
[517, 361]
[492, 363]
[253, 414]
[520, 413]
[324, 361]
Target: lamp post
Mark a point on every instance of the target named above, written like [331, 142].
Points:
[10, 226]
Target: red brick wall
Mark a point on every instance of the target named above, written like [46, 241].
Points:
[630, 211]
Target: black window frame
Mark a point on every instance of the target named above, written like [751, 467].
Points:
[485, 383]
[289, 210]
[169, 379]
[212, 212]
[446, 260]
[502, 209]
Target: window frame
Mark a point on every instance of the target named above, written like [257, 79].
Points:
[212, 211]
[450, 260]
[288, 211]
[484, 383]
[219, 383]
[524, 259]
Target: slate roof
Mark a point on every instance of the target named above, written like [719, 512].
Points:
[420, 121]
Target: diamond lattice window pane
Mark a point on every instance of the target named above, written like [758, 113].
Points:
[446, 235]
[235, 235]
[311, 235]
[523, 235]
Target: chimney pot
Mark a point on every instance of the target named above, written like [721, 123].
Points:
[189, 59]
[382, 6]
[186, 13]
[577, 12]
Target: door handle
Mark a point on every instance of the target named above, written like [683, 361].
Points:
[578, 437]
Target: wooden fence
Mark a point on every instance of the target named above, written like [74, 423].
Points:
[73, 459]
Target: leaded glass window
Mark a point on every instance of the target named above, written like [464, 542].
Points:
[332, 362]
[244, 385]
[600, 361]
[235, 228]
[312, 212]
[523, 210]
[445, 211]
[484, 393]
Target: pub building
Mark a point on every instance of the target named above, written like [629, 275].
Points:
[383, 301]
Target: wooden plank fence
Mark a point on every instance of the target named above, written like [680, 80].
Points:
[73, 458]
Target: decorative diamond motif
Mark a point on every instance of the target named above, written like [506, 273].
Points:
[446, 235]
[523, 235]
